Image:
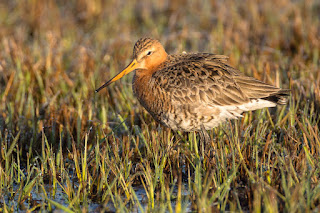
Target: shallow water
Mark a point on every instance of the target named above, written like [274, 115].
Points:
[37, 197]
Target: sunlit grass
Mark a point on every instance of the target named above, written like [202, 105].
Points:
[65, 147]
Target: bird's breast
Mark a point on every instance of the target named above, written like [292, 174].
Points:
[150, 95]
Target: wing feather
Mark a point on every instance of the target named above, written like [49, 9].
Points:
[208, 79]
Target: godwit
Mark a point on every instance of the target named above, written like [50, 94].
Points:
[196, 91]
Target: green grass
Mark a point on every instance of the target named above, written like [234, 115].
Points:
[65, 147]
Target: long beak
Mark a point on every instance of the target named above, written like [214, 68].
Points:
[132, 66]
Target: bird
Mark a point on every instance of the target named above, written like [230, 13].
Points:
[194, 91]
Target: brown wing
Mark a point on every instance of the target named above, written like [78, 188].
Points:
[196, 78]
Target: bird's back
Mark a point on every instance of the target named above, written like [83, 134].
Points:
[190, 90]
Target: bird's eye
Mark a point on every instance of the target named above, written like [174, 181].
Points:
[149, 53]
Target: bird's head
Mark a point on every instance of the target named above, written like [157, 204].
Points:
[148, 54]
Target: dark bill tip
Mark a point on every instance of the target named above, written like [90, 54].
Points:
[103, 86]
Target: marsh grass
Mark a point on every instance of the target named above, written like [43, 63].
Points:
[60, 139]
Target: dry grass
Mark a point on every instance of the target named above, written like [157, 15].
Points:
[58, 136]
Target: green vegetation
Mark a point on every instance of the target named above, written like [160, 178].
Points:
[65, 147]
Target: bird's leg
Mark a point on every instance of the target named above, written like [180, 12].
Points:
[204, 139]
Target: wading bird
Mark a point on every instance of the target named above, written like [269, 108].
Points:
[194, 91]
